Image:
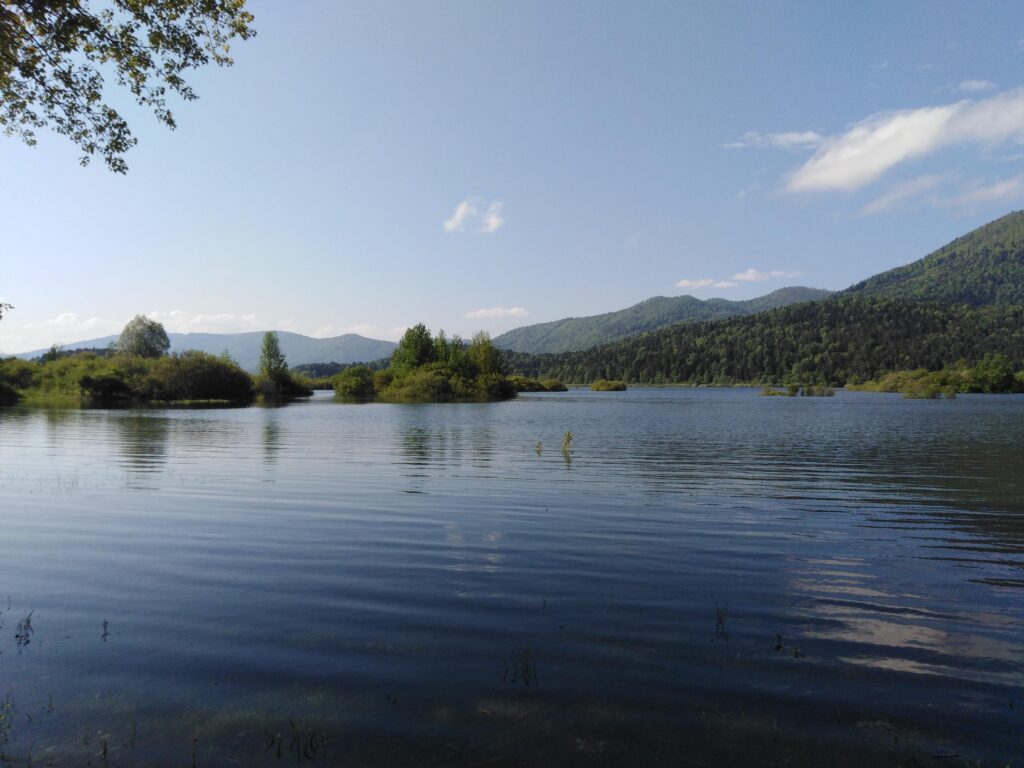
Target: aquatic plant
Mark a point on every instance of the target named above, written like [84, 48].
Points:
[567, 442]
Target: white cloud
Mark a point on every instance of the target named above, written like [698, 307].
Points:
[786, 140]
[871, 147]
[976, 86]
[905, 192]
[725, 284]
[493, 312]
[757, 276]
[703, 282]
[463, 211]
[469, 210]
[493, 219]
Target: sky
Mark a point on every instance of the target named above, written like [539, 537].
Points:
[365, 166]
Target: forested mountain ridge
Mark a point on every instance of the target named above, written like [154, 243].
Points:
[829, 342]
[956, 304]
[577, 333]
[985, 266]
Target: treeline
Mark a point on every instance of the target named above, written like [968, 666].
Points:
[138, 369]
[831, 342]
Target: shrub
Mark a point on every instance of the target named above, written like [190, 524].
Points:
[356, 383]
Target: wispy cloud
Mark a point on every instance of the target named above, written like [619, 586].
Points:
[752, 275]
[495, 312]
[463, 211]
[734, 281]
[905, 192]
[468, 211]
[872, 146]
[1001, 191]
[976, 86]
[787, 140]
[493, 220]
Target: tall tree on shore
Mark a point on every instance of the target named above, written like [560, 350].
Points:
[143, 337]
[272, 360]
[54, 54]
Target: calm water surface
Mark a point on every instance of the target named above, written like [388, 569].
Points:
[708, 577]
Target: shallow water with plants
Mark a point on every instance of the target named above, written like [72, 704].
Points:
[694, 577]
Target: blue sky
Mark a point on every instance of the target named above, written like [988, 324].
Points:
[365, 166]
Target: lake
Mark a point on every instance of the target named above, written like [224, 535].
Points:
[705, 577]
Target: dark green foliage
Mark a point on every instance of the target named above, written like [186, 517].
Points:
[577, 333]
[88, 378]
[272, 360]
[524, 384]
[199, 376]
[415, 349]
[983, 267]
[274, 381]
[994, 374]
[143, 337]
[428, 369]
[4, 307]
[355, 383]
[605, 385]
[54, 55]
[824, 342]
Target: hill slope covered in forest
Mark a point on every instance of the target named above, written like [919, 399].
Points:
[576, 333]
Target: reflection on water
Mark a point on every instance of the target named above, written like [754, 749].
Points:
[717, 576]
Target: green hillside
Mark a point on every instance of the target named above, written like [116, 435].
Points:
[983, 267]
[576, 333]
[829, 342]
[957, 304]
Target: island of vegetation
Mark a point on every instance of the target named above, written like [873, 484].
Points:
[994, 374]
[608, 385]
[428, 369]
[139, 370]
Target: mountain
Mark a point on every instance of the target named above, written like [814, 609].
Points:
[576, 333]
[245, 347]
[958, 303]
[983, 267]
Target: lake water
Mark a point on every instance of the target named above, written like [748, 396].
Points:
[707, 577]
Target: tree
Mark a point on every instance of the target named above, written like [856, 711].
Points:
[415, 349]
[53, 55]
[4, 308]
[143, 337]
[272, 361]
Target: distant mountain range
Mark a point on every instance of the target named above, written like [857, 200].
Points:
[577, 333]
[245, 347]
[958, 303]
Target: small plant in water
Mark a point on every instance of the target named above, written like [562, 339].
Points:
[521, 667]
[721, 616]
[24, 634]
[567, 442]
[539, 446]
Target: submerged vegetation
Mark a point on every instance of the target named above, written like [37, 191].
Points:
[432, 369]
[607, 385]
